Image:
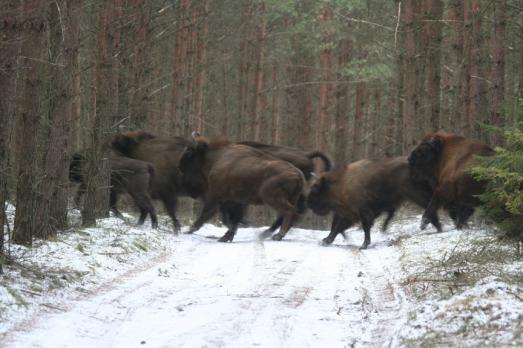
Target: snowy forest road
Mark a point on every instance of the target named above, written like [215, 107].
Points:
[293, 293]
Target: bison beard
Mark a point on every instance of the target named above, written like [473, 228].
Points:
[361, 191]
[127, 175]
[238, 175]
[442, 161]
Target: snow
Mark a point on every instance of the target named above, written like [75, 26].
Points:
[122, 286]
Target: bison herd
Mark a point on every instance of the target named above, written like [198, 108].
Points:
[229, 176]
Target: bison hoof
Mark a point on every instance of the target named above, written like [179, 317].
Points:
[326, 241]
[364, 246]
[265, 234]
[277, 236]
[225, 238]
[424, 223]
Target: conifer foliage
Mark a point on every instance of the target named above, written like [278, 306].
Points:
[503, 173]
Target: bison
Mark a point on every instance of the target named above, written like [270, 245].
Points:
[235, 174]
[302, 160]
[127, 175]
[164, 153]
[299, 158]
[362, 190]
[442, 161]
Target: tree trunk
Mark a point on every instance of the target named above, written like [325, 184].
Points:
[325, 84]
[138, 92]
[34, 30]
[471, 87]
[51, 207]
[96, 202]
[341, 121]
[433, 66]
[225, 95]
[201, 66]
[276, 123]
[259, 102]
[410, 93]
[358, 111]
[455, 70]
[9, 47]
[498, 68]
[179, 69]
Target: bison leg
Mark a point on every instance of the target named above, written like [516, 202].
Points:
[232, 214]
[339, 225]
[273, 194]
[367, 220]
[209, 209]
[169, 202]
[460, 214]
[287, 222]
[268, 232]
[113, 199]
[144, 203]
[431, 213]
[390, 215]
[279, 220]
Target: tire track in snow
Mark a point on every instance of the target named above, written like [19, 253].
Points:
[248, 293]
[383, 297]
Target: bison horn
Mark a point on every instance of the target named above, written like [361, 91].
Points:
[195, 134]
[314, 175]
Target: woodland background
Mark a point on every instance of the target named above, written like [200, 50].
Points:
[353, 78]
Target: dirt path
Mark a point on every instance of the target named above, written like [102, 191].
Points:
[293, 293]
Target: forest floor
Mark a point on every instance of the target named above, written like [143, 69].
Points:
[124, 286]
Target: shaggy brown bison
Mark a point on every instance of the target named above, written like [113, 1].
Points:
[442, 161]
[302, 160]
[361, 191]
[226, 173]
[164, 153]
[127, 175]
[299, 158]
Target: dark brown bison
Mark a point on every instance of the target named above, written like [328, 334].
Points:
[127, 176]
[299, 158]
[361, 191]
[302, 160]
[224, 173]
[164, 153]
[442, 161]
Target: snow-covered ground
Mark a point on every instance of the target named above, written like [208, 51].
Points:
[122, 286]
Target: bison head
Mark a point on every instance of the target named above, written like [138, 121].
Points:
[424, 158]
[191, 165]
[318, 198]
[125, 143]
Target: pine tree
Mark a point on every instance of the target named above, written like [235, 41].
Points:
[503, 173]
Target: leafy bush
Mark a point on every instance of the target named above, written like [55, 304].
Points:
[503, 173]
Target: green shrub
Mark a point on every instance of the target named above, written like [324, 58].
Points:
[503, 174]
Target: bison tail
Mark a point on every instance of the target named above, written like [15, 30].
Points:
[326, 160]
